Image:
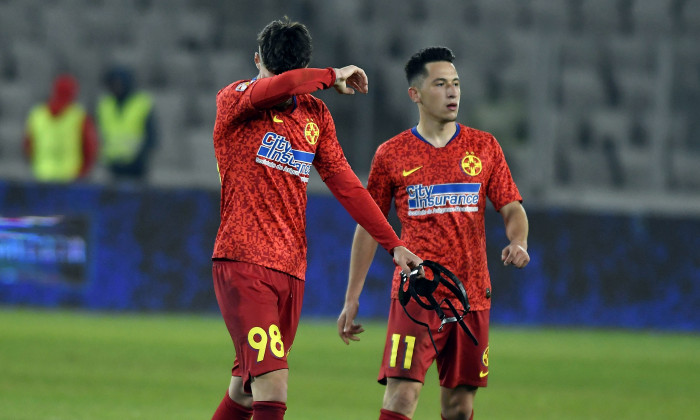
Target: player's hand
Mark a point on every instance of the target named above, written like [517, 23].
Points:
[515, 254]
[350, 79]
[347, 328]
[406, 259]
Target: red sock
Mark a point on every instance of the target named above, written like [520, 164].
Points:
[230, 410]
[391, 415]
[269, 410]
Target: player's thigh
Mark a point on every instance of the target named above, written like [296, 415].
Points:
[460, 361]
[408, 349]
[261, 309]
[401, 395]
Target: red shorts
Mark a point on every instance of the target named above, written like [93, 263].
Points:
[261, 309]
[408, 351]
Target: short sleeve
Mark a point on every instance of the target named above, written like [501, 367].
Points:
[501, 188]
[379, 183]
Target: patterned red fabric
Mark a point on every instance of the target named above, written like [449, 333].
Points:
[264, 158]
[440, 199]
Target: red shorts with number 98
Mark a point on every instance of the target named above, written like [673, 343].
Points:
[261, 308]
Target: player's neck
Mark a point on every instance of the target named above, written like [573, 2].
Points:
[437, 133]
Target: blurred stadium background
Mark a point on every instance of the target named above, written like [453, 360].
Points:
[595, 102]
[602, 94]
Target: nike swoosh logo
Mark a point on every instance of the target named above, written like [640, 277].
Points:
[277, 119]
[410, 171]
[482, 374]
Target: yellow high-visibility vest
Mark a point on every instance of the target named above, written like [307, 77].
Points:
[123, 129]
[57, 145]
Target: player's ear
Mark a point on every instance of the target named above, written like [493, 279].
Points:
[414, 94]
[256, 58]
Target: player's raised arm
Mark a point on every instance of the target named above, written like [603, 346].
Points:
[275, 89]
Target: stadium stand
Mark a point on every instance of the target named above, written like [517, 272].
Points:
[629, 70]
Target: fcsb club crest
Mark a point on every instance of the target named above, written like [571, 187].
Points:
[311, 132]
[471, 164]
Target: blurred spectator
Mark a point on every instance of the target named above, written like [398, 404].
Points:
[127, 126]
[60, 139]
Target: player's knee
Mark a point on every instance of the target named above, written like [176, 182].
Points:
[402, 396]
[271, 386]
[458, 403]
[241, 397]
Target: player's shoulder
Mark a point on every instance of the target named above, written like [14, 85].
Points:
[475, 135]
[311, 102]
[472, 132]
[235, 88]
[399, 141]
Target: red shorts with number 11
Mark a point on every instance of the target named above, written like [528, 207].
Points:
[409, 352]
[261, 308]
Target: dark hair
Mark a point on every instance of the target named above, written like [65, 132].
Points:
[284, 45]
[415, 67]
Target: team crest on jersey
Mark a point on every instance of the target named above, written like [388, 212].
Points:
[311, 132]
[243, 86]
[471, 164]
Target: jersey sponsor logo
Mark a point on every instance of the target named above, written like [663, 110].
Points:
[410, 171]
[277, 119]
[311, 132]
[471, 164]
[276, 152]
[243, 86]
[442, 198]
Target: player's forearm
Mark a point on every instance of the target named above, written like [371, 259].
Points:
[271, 91]
[363, 249]
[516, 223]
[348, 190]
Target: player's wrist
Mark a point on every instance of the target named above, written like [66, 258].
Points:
[397, 246]
[352, 298]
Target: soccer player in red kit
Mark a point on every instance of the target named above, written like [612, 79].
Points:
[268, 132]
[439, 174]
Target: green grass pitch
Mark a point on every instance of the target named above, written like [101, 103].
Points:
[57, 365]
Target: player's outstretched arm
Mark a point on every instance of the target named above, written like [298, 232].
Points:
[349, 79]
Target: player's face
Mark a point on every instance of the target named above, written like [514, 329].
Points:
[438, 95]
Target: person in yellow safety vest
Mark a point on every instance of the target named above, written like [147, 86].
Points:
[127, 126]
[60, 139]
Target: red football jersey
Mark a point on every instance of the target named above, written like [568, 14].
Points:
[440, 197]
[264, 158]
